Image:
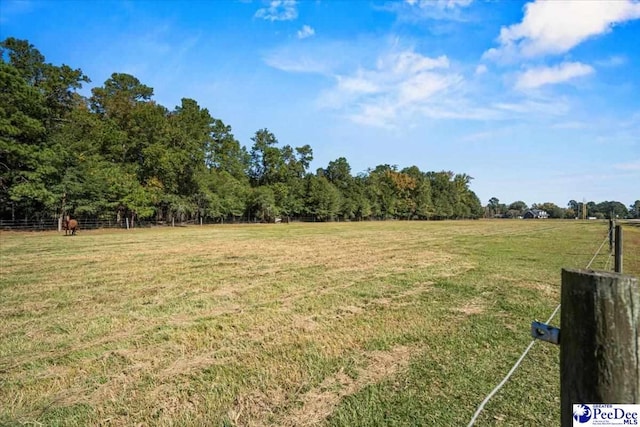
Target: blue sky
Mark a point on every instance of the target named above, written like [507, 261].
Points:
[538, 101]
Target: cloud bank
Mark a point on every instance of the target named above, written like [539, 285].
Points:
[555, 27]
[279, 10]
[540, 76]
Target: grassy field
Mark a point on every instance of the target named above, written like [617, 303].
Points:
[339, 324]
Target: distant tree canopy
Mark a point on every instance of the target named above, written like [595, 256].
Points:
[573, 210]
[119, 154]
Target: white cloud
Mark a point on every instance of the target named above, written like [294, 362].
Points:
[302, 64]
[306, 31]
[423, 86]
[555, 27]
[409, 62]
[377, 115]
[540, 76]
[537, 107]
[357, 84]
[326, 57]
[279, 10]
[400, 85]
[405, 85]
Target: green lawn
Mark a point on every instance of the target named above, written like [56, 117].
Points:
[342, 324]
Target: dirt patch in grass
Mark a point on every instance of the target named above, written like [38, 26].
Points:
[314, 406]
[317, 404]
[472, 307]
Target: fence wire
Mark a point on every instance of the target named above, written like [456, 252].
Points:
[524, 354]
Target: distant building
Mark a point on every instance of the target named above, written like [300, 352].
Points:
[535, 214]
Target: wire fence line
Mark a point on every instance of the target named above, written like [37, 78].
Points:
[525, 352]
[51, 224]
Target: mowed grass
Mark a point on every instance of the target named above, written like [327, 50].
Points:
[342, 324]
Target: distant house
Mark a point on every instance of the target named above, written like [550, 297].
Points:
[535, 214]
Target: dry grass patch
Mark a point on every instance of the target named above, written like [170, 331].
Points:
[473, 307]
[314, 406]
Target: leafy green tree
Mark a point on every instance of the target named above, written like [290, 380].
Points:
[634, 209]
[552, 209]
[338, 172]
[289, 197]
[295, 162]
[290, 189]
[519, 206]
[612, 209]
[475, 205]
[35, 98]
[119, 94]
[222, 196]
[359, 194]
[383, 190]
[116, 101]
[516, 209]
[421, 193]
[266, 160]
[178, 207]
[406, 188]
[323, 198]
[569, 213]
[56, 84]
[224, 152]
[263, 204]
[442, 194]
[190, 137]
[22, 140]
[463, 202]
[495, 208]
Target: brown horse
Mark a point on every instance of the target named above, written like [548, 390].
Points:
[69, 225]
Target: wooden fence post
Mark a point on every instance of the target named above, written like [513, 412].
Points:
[617, 253]
[599, 340]
[612, 225]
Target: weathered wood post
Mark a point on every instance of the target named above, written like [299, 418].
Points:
[611, 228]
[617, 253]
[599, 341]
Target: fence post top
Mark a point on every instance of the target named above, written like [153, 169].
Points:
[597, 273]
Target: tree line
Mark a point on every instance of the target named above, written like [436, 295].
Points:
[119, 154]
[574, 209]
